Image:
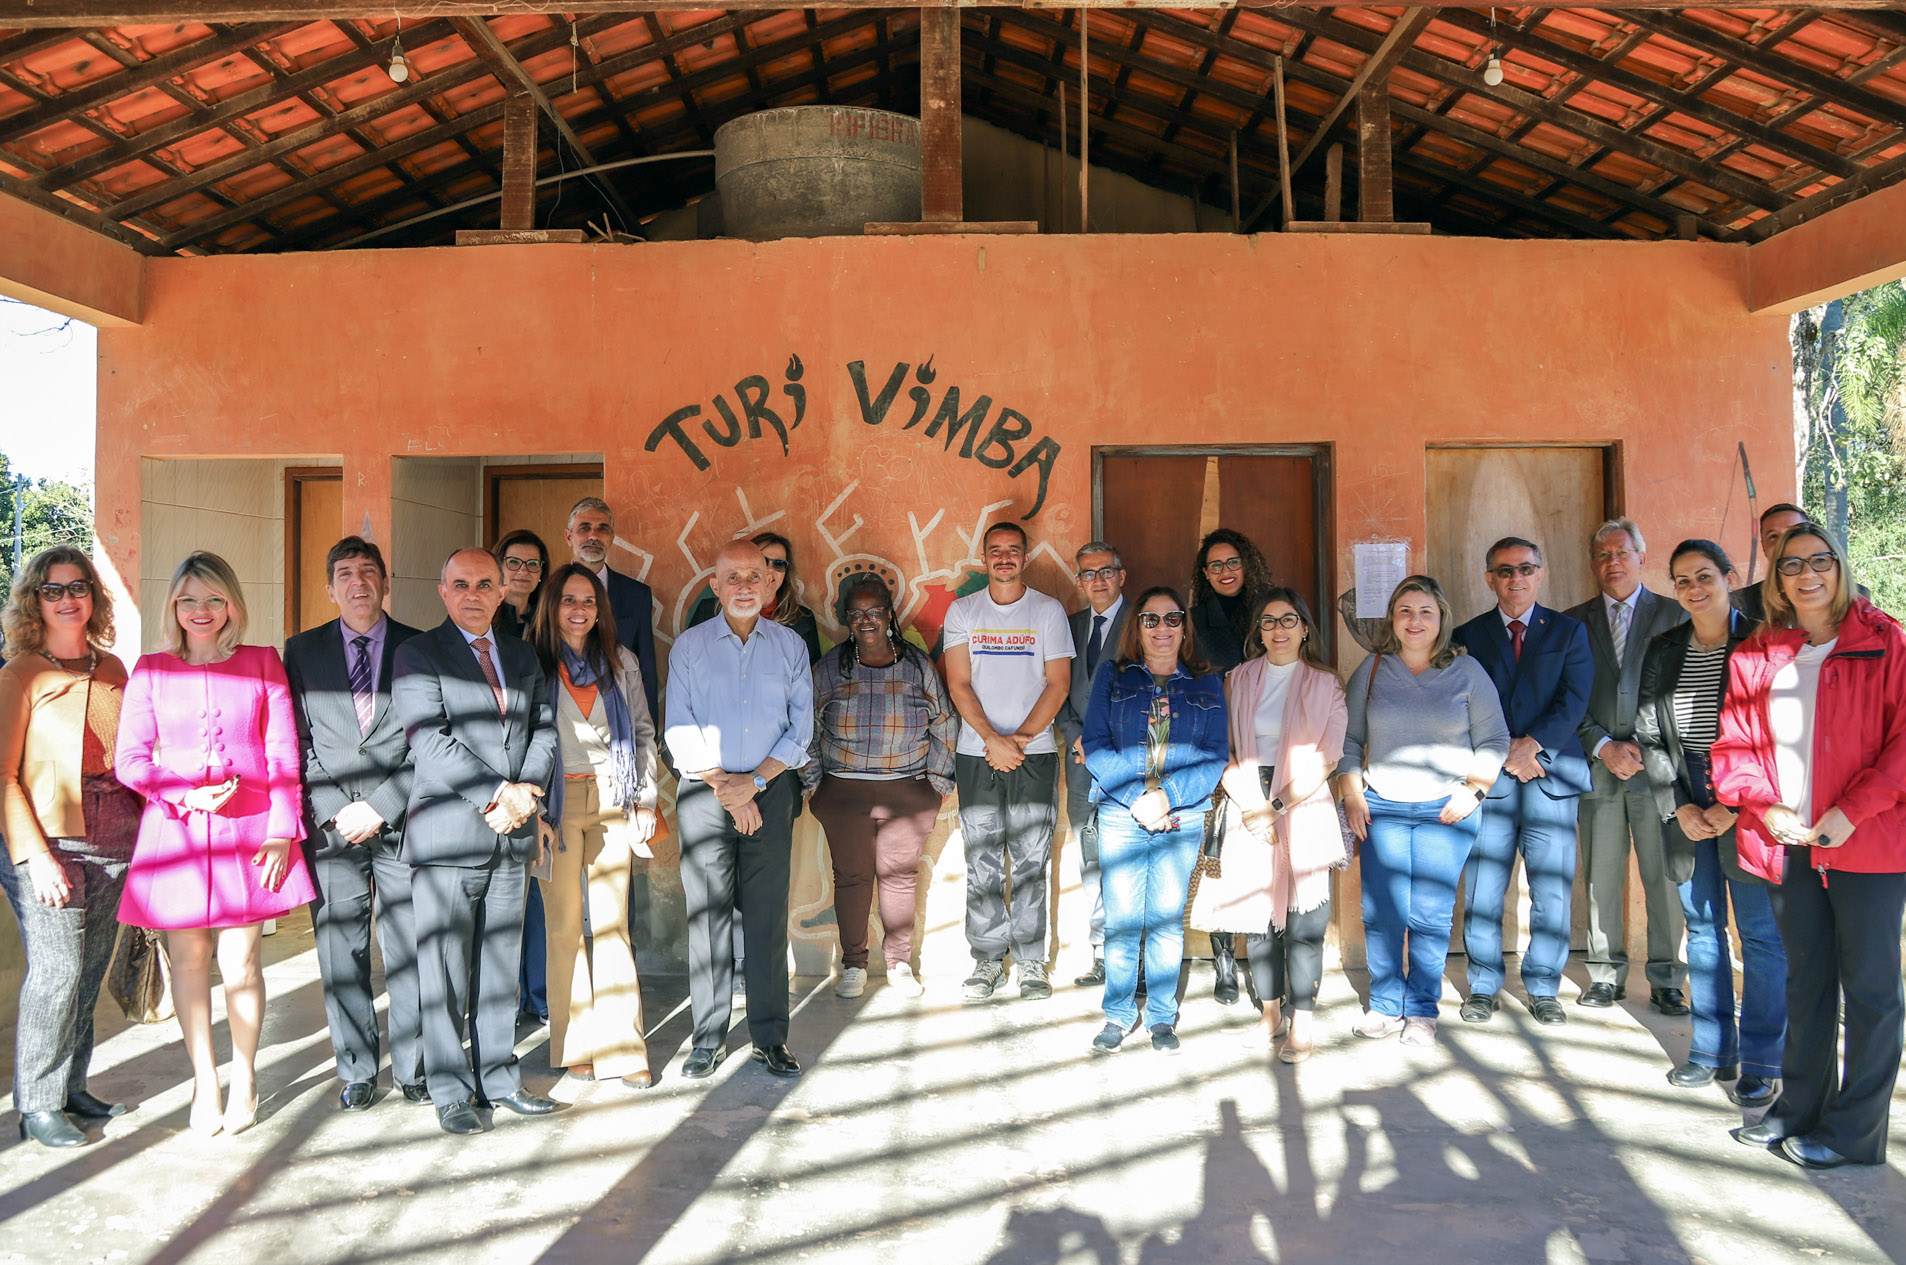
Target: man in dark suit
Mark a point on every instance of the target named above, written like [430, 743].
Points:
[1543, 671]
[590, 532]
[483, 743]
[356, 788]
[1095, 629]
[1621, 620]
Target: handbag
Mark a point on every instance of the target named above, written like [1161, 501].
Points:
[1211, 849]
[140, 977]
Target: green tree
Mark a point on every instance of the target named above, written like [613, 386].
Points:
[1850, 397]
[51, 513]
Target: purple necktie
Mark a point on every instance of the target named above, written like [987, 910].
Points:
[361, 693]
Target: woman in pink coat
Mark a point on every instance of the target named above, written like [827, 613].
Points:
[206, 736]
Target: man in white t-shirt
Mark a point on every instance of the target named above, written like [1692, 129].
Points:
[1008, 669]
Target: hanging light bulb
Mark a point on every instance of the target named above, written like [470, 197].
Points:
[399, 68]
[1492, 71]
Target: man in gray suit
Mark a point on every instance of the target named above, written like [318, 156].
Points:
[1621, 621]
[1095, 630]
[356, 767]
[483, 746]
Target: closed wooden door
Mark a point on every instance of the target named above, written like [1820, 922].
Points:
[1476, 496]
[538, 498]
[313, 522]
[1155, 505]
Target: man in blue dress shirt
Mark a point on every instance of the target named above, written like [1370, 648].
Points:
[1542, 667]
[740, 712]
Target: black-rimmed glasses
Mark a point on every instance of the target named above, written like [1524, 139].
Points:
[1218, 566]
[1291, 621]
[1793, 565]
[870, 615]
[532, 565]
[75, 588]
[1171, 619]
[1100, 573]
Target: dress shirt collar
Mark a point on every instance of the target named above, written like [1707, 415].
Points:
[1527, 617]
[1610, 603]
[376, 634]
[1110, 613]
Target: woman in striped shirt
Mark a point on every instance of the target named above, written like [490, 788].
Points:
[1682, 680]
[879, 767]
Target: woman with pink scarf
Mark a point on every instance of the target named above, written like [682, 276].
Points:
[1282, 836]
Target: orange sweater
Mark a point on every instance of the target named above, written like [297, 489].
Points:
[42, 735]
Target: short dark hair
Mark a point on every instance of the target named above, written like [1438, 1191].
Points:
[1025, 541]
[1511, 542]
[522, 536]
[353, 547]
[1707, 549]
[1784, 507]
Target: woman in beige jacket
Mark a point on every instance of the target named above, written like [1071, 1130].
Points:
[69, 826]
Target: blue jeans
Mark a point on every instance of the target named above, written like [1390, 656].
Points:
[1757, 1040]
[1542, 829]
[1411, 865]
[1145, 878]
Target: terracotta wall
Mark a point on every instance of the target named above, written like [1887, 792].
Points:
[657, 355]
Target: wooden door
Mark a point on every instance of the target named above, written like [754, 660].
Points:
[314, 516]
[1476, 496]
[1155, 505]
[538, 498]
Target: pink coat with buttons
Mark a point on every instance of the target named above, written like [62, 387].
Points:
[185, 726]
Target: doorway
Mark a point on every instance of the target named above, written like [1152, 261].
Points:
[1160, 502]
[538, 497]
[314, 514]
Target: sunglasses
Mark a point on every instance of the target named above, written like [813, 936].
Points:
[777, 564]
[522, 564]
[1523, 569]
[210, 605]
[870, 615]
[1170, 619]
[1789, 565]
[76, 588]
[1101, 573]
[1218, 566]
[1268, 622]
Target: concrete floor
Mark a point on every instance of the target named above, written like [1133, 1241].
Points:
[928, 1131]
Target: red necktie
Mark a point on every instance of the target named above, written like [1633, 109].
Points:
[482, 647]
[1516, 628]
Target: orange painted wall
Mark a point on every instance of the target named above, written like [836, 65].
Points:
[1376, 345]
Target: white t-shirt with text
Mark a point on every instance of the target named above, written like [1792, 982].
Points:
[1009, 647]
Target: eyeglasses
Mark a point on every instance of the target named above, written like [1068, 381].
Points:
[1792, 565]
[1523, 569]
[210, 605]
[1268, 622]
[523, 564]
[870, 615]
[777, 564]
[75, 588]
[1101, 573]
[1171, 619]
[1218, 566]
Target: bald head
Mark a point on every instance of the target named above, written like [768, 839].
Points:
[471, 587]
[740, 583]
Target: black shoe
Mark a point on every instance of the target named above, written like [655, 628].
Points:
[701, 1064]
[82, 1104]
[419, 1092]
[1753, 1091]
[1110, 1038]
[1694, 1076]
[1669, 1001]
[50, 1128]
[1809, 1154]
[355, 1096]
[1547, 1010]
[1762, 1135]
[1225, 966]
[1601, 996]
[1164, 1040]
[777, 1060]
[524, 1103]
[1479, 1008]
[459, 1117]
[1095, 976]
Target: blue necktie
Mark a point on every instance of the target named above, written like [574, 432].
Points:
[1094, 646]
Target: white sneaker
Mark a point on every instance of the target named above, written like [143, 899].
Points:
[1418, 1030]
[1375, 1025]
[900, 977]
[853, 982]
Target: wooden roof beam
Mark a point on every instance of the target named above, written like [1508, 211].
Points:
[1852, 246]
[60, 257]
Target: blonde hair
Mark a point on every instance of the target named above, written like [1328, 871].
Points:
[1778, 610]
[1444, 652]
[25, 629]
[217, 575]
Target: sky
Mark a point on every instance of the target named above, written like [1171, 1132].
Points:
[48, 392]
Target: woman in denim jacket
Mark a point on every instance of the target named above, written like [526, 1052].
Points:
[1156, 741]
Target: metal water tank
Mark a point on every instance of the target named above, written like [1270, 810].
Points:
[816, 171]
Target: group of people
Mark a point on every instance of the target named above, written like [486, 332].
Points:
[1216, 771]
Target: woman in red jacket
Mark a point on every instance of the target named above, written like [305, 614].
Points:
[1813, 754]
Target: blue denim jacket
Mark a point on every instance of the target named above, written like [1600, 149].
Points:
[1116, 718]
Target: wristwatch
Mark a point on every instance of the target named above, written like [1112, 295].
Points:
[1277, 806]
[760, 783]
[1482, 793]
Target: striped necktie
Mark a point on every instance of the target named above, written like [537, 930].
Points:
[482, 647]
[362, 696]
[1618, 616]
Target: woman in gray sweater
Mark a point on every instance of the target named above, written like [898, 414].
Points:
[1426, 740]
